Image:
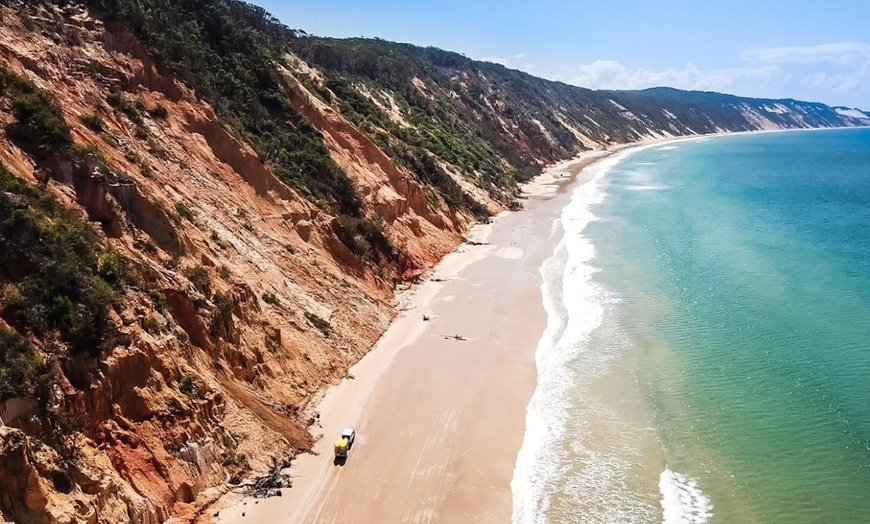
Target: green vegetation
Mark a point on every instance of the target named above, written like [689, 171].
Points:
[132, 156]
[82, 153]
[440, 128]
[271, 299]
[145, 169]
[319, 323]
[227, 51]
[365, 238]
[153, 324]
[39, 122]
[184, 211]
[133, 109]
[55, 284]
[439, 114]
[218, 241]
[111, 140]
[115, 269]
[188, 385]
[22, 369]
[159, 112]
[50, 269]
[200, 279]
[431, 136]
[236, 463]
[94, 123]
[224, 305]
[158, 299]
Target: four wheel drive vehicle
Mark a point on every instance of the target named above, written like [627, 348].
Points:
[345, 442]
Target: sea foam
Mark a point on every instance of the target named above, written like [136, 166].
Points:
[683, 502]
[568, 273]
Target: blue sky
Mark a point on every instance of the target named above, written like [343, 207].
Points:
[809, 50]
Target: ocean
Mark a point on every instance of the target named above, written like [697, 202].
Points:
[707, 353]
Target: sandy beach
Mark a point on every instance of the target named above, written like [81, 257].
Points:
[438, 405]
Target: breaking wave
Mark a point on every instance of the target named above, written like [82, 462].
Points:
[683, 502]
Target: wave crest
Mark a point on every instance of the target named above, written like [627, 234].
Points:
[683, 502]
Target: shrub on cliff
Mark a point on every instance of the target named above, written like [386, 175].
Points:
[416, 147]
[365, 238]
[228, 51]
[38, 120]
[49, 265]
[159, 112]
[116, 270]
[131, 108]
[94, 123]
[21, 367]
[200, 279]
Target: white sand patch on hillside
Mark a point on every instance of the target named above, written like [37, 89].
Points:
[852, 113]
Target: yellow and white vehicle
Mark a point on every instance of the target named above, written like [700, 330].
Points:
[344, 443]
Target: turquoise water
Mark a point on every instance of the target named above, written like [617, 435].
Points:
[723, 371]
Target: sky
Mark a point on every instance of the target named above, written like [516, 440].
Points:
[807, 50]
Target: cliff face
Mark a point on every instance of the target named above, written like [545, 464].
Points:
[260, 303]
[495, 125]
[175, 288]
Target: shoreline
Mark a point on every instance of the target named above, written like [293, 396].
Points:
[429, 446]
[488, 293]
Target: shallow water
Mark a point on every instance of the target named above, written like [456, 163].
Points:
[708, 348]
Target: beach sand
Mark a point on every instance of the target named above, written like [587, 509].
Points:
[439, 420]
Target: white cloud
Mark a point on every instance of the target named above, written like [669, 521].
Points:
[837, 54]
[814, 80]
[841, 67]
[837, 73]
[855, 80]
[610, 74]
[508, 62]
[499, 60]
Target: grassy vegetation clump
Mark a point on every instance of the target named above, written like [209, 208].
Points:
[21, 367]
[184, 211]
[319, 323]
[49, 267]
[218, 241]
[418, 147]
[188, 385]
[365, 238]
[117, 271]
[225, 305]
[200, 279]
[132, 109]
[38, 119]
[153, 325]
[158, 299]
[82, 153]
[236, 463]
[271, 299]
[94, 123]
[159, 112]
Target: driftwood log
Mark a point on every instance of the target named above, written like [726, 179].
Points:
[270, 485]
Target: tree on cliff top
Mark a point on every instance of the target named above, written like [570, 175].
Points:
[227, 52]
